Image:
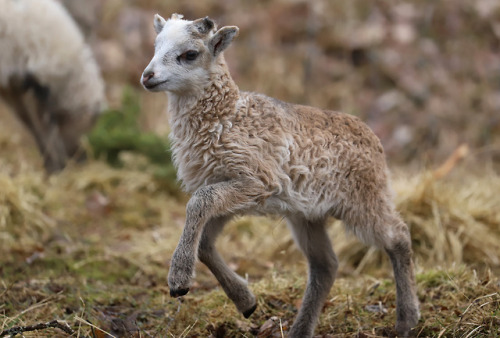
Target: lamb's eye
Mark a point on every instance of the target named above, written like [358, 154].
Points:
[190, 55]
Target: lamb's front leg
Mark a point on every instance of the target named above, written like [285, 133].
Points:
[208, 202]
[234, 286]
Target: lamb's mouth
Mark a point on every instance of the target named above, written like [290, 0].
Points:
[154, 85]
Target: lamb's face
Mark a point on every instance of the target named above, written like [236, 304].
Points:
[185, 52]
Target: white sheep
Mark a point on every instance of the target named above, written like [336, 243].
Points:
[240, 153]
[48, 76]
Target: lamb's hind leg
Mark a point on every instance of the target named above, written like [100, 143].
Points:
[313, 240]
[398, 247]
[233, 285]
[386, 229]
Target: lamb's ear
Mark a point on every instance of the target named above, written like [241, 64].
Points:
[159, 22]
[222, 39]
[204, 25]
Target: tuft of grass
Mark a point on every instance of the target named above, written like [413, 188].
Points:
[21, 210]
[117, 131]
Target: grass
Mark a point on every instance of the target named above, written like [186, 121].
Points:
[90, 247]
[130, 308]
[118, 131]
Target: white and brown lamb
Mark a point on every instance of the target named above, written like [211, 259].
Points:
[245, 153]
[48, 76]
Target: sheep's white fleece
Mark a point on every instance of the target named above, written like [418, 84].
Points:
[39, 37]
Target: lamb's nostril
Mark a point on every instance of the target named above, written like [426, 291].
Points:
[146, 76]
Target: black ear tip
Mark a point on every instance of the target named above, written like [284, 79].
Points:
[209, 23]
[204, 25]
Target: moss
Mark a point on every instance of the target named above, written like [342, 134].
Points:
[433, 278]
[118, 131]
[109, 271]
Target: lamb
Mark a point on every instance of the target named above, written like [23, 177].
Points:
[246, 153]
[48, 76]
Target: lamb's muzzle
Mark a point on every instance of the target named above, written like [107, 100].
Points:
[146, 77]
[246, 153]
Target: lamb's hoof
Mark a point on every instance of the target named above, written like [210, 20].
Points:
[404, 329]
[249, 312]
[178, 293]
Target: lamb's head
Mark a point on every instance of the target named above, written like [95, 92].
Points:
[186, 54]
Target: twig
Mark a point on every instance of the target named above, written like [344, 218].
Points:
[93, 326]
[281, 329]
[43, 302]
[459, 154]
[440, 333]
[80, 323]
[188, 329]
[475, 301]
[41, 326]
[473, 331]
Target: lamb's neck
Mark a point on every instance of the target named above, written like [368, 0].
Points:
[215, 103]
[197, 123]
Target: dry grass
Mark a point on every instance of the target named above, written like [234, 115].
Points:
[90, 246]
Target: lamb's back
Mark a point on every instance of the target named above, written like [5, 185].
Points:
[305, 155]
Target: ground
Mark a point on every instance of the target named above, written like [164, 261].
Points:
[90, 247]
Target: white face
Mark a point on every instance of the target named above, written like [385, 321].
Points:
[184, 54]
[176, 63]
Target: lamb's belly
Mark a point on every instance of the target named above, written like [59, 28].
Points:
[312, 206]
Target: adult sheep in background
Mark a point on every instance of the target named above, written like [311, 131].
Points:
[246, 153]
[48, 76]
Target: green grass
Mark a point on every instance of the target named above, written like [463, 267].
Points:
[117, 132]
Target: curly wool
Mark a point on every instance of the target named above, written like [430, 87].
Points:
[303, 159]
[241, 153]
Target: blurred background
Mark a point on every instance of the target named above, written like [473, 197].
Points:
[424, 75]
